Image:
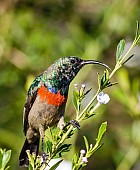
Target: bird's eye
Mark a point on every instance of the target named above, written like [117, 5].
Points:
[72, 61]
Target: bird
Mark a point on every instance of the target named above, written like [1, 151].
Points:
[46, 101]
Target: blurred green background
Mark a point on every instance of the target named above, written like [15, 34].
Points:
[34, 33]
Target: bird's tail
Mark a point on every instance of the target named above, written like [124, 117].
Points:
[32, 147]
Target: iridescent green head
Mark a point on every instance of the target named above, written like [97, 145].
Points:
[62, 72]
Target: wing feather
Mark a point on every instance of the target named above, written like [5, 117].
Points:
[32, 93]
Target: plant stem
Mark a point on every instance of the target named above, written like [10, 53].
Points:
[132, 46]
[61, 141]
[79, 118]
[119, 63]
[114, 70]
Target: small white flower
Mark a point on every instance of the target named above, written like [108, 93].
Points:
[84, 160]
[75, 85]
[91, 146]
[83, 85]
[103, 98]
[82, 151]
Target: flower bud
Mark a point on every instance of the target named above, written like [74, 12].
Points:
[82, 151]
[84, 160]
[83, 86]
[76, 86]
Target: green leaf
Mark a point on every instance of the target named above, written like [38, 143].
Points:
[128, 58]
[120, 50]
[94, 149]
[137, 30]
[71, 133]
[56, 165]
[49, 146]
[6, 158]
[88, 114]
[104, 82]
[75, 160]
[75, 99]
[1, 155]
[31, 160]
[7, 168]
[86, 143]
[88, 91]
[101, 132]
[63, 149]
[97, 145]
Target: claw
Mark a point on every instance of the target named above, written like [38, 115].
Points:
[74, 123]
[44, 157]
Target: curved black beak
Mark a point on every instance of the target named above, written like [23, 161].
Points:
[94, 62]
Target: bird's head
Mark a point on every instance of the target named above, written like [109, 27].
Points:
[70, 66]
[63, 71]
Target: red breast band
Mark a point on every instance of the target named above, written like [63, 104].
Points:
[50, 97]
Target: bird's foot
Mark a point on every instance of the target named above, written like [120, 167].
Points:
[45, 158]
[74, 123]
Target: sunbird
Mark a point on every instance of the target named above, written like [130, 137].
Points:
[46, 101]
